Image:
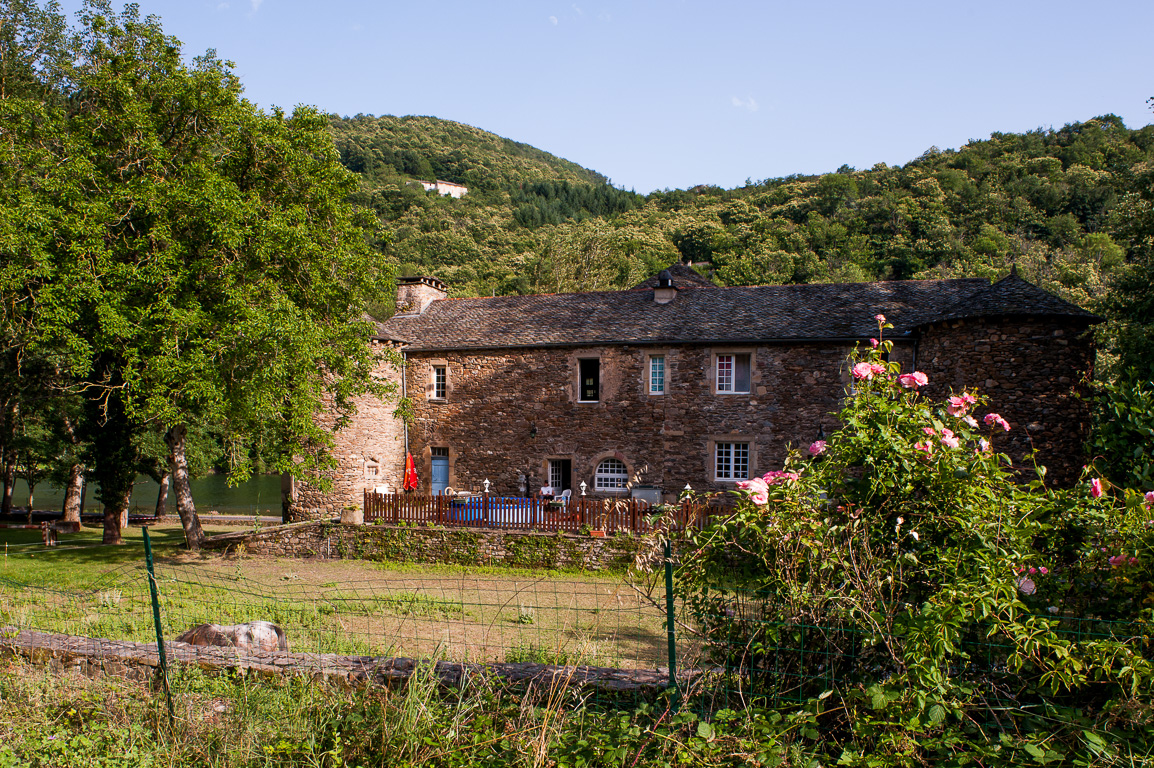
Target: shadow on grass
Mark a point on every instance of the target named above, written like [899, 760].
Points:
[78, 558]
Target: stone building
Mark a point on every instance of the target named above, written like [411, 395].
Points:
[678, 382]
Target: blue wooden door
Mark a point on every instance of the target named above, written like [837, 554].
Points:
[440, 474]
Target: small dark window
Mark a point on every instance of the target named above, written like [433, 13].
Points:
[733, 374]
[590, 380]
[439, 452]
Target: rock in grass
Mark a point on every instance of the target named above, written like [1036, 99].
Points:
[254, 635]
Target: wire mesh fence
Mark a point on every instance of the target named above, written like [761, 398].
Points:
[594, 621]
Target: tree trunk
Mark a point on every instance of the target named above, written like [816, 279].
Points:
[162, 496]
[112, 516]
[9, 485]
[73, 494]
[193, 534]
[8, 456]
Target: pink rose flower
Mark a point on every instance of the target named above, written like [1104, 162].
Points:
[992, 418]
[1043, 570]
[1096, 488]
[1150, 499]
[913, 380]
[778, 478]
[757, 488]
[948, 439]
[817, 448]
[968, 398]
[984, 446]
[880, 318]
[874, 343]
[1133, 561]
[957, 406]
[971, 422]
[929, 431]
[1033, 569]
[863, 371]
[927, 447]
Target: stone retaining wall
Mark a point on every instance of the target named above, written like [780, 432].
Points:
[94, 657]
[456, 546]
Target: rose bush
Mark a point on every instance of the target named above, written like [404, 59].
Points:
[933, 587]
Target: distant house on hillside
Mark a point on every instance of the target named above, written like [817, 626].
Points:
[679, 382]
[445, 188]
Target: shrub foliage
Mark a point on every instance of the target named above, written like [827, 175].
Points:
[925, 600]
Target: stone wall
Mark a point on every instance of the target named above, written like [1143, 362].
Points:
[1032, 369]
[509, 412]
[456, 546]
[370, 452]
[93, 657]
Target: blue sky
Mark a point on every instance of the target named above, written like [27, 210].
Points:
[674, 94]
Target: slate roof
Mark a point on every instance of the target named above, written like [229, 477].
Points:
[714, 315]
[1013, 296]
[683, 277]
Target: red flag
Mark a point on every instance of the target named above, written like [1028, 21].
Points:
[411, 481]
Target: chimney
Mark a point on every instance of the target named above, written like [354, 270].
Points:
[416, 293]
[665, 291]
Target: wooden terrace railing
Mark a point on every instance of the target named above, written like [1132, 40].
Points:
[519, 513]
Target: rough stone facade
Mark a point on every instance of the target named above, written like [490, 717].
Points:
[458, 546]
[508, 413]
[1033, 371]
[367, 451]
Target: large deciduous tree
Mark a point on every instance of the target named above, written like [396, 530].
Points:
[201, 264]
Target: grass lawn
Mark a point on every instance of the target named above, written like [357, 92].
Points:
[338, 606]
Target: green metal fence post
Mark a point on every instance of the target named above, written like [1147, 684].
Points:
[156, 623]
[669, 614]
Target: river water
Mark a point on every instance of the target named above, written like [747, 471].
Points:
[258, 496]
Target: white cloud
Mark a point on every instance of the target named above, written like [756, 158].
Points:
[222, 6]
[746, 104]
[256, 5]
[553, 20]
[577, 8]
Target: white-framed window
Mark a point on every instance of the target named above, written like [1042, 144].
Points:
[733, 374]
[560, 474]
[731, 461]
[589, 380]
[611, 476]
[440, 382]
[657, 375]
